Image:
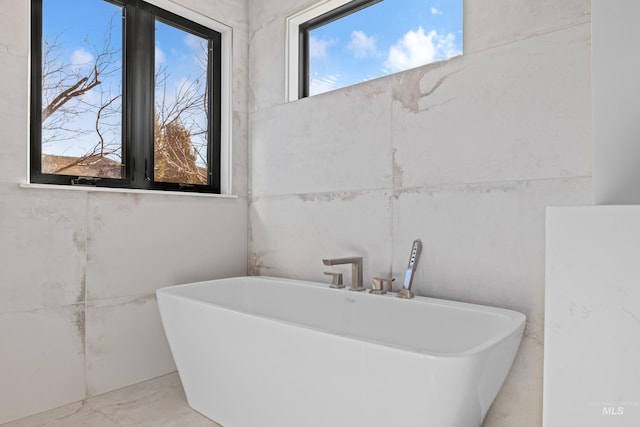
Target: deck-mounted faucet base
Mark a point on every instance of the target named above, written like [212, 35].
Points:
[405, 294]
[377, 285]
[356, 270]
[336, 281]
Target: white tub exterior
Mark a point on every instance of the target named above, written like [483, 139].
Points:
[260, 351]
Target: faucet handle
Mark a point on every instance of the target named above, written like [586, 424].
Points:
[336, 280]
[377, 285]
[405, 293]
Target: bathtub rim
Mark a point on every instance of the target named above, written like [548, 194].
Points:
[517, 319]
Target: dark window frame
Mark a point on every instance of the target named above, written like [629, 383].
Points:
[319, 21]
[138, 101]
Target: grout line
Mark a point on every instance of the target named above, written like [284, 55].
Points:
[400, 190]
[84, 302]
[540, 33]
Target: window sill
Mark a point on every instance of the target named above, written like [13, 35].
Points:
[125, 190]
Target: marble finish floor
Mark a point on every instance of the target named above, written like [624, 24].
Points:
[156, 403]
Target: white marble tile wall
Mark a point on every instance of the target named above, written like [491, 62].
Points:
[490, 23]
[125, 343]
[464, 154]
[592, 318]
[78, 270]
[41, 360]
[615, 86]
[322, 154]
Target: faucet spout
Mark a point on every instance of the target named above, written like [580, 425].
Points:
[356, 270]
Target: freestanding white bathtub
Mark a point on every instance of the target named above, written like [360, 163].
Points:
[269, 352]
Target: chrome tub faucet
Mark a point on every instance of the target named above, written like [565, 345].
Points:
[356, 270]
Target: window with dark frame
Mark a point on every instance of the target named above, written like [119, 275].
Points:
[361, 40]
[124, 94]
[317, 22]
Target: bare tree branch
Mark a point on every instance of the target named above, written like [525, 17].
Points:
[78, 89]
[64, 86]
[99, 115]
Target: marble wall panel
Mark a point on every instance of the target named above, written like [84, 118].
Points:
[261, 12]
[14, 49]
[13, 118]
[13, 20]
[616, 87]
[489, 23]
[267, 66]
[592, 321]
[505, 114]
[240, 155]
[337, 141]
[125, 343]
[290, 235]
[240, 55]
[42, 248]
[482, 243]
[139, 243]
[41, 360]
[240, 117]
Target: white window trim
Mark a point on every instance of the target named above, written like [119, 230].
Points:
[292, 40]
[226, 115]
[92, 189]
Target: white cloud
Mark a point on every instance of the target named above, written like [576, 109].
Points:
[194, 42]
[318, 48]
[160, 56]
[91, 97]
[199, 49]
[80, 58]
[416, 48]
[435, 11]
[323, 84]
[362, 45]
[446, 47]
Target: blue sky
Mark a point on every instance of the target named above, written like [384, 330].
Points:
[390, 36]
[79, 27]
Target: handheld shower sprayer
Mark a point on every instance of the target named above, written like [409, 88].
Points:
[405, 292]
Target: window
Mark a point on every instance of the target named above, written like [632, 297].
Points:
[339, 43]
[124, 94]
